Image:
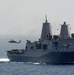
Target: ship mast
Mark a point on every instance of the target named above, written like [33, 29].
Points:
[64, 33]
[46, 19]
[46, 30]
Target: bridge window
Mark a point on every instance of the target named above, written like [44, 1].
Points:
[38, 46]
[31, 47]
[26, 47]
[44, 46]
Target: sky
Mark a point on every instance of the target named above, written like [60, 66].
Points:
[25, 17]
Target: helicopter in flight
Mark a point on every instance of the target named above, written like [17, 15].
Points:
[13, 41]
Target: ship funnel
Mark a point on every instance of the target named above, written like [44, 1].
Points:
[65, 31]
[46, 30]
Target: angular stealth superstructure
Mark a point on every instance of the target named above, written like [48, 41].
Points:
[46, 30]
[65, 31]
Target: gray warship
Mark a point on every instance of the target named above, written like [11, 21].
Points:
[53, 49]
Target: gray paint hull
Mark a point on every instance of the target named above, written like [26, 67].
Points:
[52, 57]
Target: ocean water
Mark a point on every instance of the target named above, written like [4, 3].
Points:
[9, 68]
[17, 68]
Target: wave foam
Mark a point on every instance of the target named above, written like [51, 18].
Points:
[4, 60]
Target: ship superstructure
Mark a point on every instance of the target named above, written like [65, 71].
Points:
[49, 48]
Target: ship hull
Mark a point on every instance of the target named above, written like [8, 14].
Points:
[52, 58]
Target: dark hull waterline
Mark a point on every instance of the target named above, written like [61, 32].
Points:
[51, 58]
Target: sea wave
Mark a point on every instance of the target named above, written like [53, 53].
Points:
[4, 60]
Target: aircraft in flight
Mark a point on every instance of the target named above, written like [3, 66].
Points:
[13, 41]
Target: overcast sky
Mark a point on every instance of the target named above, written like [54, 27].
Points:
[25, 17]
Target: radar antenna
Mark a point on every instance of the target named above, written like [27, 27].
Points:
[46, 18]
